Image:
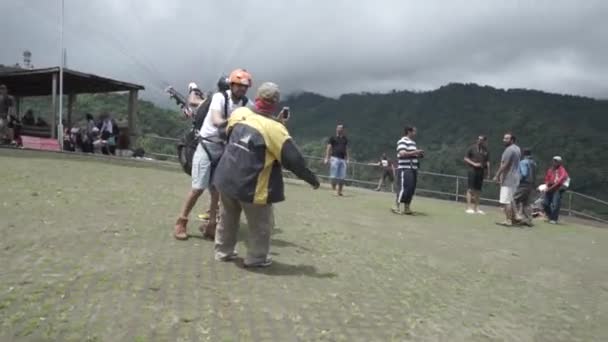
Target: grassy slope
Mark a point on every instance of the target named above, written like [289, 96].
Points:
[87, 254]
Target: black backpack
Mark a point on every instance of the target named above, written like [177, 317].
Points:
[189, 142]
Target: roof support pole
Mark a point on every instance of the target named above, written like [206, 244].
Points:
[71, 101]
[18, 106]
[54, 107]
[132, 116]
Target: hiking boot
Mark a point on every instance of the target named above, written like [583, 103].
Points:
[180, 231]
[208, 230]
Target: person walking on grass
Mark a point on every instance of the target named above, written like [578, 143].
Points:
[508, 177]
[477, 159]
[337, 155]
[408, 156]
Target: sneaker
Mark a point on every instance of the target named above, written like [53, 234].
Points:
[180, 230]
[407, 210]
[229, 257]
[264, 263]
[397, 211]
[552, 222]
[470, 211]
[480, 212]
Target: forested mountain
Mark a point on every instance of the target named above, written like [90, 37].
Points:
[448, 120]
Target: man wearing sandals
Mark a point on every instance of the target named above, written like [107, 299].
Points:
[508, 177]
[209, 150]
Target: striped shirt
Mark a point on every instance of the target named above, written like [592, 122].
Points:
[408, 145]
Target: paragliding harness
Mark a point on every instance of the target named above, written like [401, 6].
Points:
[189, 142]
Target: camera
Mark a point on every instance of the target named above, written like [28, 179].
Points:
[285, 113]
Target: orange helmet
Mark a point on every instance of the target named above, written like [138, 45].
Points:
[240, 76]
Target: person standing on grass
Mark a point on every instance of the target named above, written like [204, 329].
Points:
[388, 171]
[210, 149]
[408, 156]
[337, 148]
[249, 176]
[557, 181]
[525, 190]
[477, 159]
[508, 177]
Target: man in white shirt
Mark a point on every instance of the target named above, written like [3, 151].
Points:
[210, 149]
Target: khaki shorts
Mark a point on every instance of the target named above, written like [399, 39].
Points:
[506, 194]
[201, 169]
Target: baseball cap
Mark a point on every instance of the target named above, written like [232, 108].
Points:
[269, 92]
[557, 158]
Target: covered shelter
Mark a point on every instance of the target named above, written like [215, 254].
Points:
[45, 82]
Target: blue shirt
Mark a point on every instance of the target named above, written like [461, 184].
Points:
[527, 168]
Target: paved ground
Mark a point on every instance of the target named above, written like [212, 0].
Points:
[87, 255]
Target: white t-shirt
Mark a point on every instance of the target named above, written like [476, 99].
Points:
[209, 130]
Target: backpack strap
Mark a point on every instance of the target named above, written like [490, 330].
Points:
[226, 99]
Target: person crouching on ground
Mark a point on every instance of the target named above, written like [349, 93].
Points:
[249, 176]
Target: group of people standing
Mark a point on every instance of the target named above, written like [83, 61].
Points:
[516, 175]
[405, 171]
[241, 151]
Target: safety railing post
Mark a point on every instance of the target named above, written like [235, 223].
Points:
[569, 203]
[457, 189]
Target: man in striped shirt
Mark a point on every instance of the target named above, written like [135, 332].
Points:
[408, 156]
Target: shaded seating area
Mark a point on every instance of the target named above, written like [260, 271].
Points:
[24, 83]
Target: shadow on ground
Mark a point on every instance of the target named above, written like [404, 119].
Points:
[281, 269]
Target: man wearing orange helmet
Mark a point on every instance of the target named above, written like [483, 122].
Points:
[209, 151]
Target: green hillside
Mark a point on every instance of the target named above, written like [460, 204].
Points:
[448, 120]
[451, 117]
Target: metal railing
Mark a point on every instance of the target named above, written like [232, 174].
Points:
[430, 184]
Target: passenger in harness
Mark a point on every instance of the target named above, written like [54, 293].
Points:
[210, 149]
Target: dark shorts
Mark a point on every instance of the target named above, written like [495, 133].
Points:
[475, 179]
[388, 174]
[524, 194]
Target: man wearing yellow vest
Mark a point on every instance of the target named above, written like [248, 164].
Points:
[249, 176]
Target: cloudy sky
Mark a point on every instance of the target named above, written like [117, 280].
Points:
[327, 46]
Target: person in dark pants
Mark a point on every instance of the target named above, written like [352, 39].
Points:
[525, 190]
[557, 181]
[478, 161]
[408, 156]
